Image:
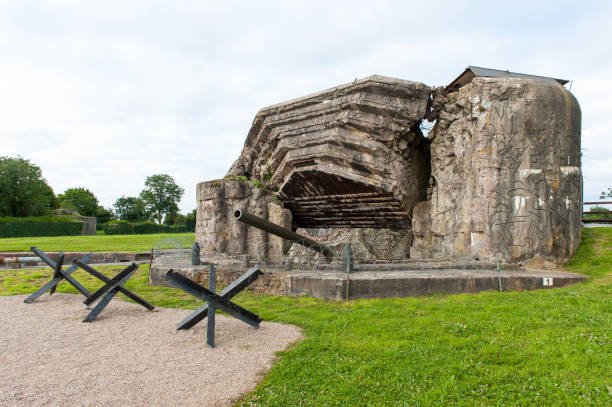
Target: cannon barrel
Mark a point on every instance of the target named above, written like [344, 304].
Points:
[274, 229]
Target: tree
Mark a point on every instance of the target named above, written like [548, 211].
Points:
[104, 215]
[190, 220]
[605, 194]
[131, 209]
[161, 196]
[174, 219]
[80, 199]
[23, 190]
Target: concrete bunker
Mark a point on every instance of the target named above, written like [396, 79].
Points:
[497, 178]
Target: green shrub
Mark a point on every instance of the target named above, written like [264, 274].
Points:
[143, 228]
[603, 216]
[40, 226]
[118, 227]
[122, 227]
[177, 229]
[190, 220]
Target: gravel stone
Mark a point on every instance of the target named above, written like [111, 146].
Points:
[128, 356]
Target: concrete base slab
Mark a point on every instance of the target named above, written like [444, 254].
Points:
[406, 279]
[272, 282]
[412, 283]
[97, 258]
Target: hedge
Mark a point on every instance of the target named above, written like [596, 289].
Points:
[190, 225]
[122, 227]
[40, 226]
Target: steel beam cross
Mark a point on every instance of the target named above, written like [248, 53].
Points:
[58, 275]
[215, 301]
[111, 287]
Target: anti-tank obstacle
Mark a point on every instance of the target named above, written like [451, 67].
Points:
[214, 301]
[59, 274]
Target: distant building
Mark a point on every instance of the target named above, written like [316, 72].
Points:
[472, 72]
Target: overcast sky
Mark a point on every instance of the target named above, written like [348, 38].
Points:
[101, 94]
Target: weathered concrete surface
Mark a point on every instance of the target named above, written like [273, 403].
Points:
[337, 286]
[218, 232]
[89, 225]
[506, 174]
[498, 177]
[89, 222]
[96, 257]
[372, 280]
[366, 244]
[352, 155]
[271, 282]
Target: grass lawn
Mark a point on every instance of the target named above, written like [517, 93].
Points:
[542, 348]
[96, 243]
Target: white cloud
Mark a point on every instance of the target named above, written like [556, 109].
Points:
[103, 94]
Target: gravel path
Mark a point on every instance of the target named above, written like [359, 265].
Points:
[128, 357]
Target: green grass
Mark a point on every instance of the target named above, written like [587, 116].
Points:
[602, 216]
[541, 348]
[97, 243]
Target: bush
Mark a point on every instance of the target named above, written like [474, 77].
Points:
[143, 228]
[122, 227]
[39, 226]
[118, 227]
[604, 214]
[188, 220]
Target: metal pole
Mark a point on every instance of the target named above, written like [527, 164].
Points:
[274, 229]
[210, 325]
[498, 271]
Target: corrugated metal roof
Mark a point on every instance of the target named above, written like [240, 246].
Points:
[477, 71]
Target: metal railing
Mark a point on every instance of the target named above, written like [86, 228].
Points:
[597, 216]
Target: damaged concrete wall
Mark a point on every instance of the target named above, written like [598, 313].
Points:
[217, 231]
[506, 177]
[352, 155]
[498, 176]
[366, 244]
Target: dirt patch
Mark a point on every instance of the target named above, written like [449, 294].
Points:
[129, 356]
[597, 247]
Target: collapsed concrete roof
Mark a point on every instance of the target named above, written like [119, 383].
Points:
[350, 155]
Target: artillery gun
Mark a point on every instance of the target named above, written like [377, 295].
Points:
[279, 231]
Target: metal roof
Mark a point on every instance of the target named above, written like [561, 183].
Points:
[476, 71]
